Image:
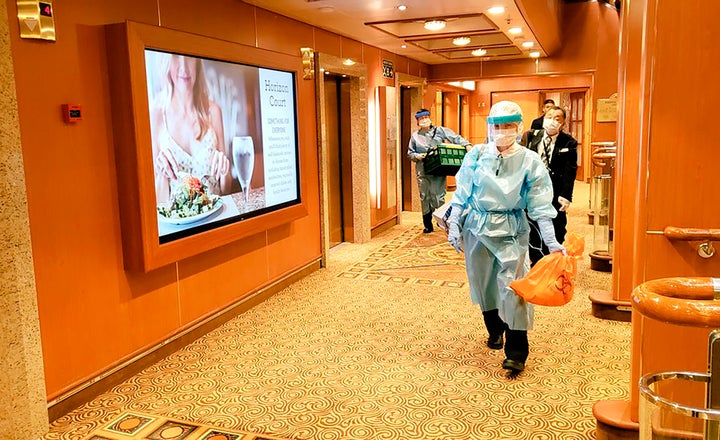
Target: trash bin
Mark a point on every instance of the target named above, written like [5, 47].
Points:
[598, 168]
[602, 197]
[673, 406]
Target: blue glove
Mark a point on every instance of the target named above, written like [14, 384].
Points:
[453, 221]
[547, 232]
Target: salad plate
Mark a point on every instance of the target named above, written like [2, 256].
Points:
[191, 219]
[190, 201]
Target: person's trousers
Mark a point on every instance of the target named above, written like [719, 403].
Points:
[516, 341]
[537, 246]
[427, 221]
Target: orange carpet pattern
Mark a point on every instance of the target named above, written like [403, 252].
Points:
[336, 356]
[412, 258]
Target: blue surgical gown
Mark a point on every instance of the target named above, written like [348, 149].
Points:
[498, 189]
[432, 188]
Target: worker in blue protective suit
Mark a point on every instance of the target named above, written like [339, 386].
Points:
[425, 139]
[496, 184]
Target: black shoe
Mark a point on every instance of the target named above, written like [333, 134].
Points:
[427, 222]
[495, 342]
[514, 366]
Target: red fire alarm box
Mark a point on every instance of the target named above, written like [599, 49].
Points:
[72, 112]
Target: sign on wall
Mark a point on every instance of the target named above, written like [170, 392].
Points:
[388, 69]
[607, 109]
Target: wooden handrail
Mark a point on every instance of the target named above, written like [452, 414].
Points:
[680, 301]
[674, 233]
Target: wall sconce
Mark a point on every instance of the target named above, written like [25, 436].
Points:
[308, 62]
[435, 25]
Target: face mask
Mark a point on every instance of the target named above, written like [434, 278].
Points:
[425, 123]
[505, 137]
[551, 126]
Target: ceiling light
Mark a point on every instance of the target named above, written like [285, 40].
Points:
[401, 7]
[403, 45]
[528, 44]
[534, 54]
[348, 62]
[461, 41]
[515, 30]
[435, 25]
[478, 52]
[326, 9]
[496, 10]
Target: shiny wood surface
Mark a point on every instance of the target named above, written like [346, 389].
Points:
[690, 234]
[679, 301]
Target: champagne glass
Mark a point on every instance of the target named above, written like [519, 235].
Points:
[243, 152]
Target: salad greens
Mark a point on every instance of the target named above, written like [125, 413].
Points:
[189, 197]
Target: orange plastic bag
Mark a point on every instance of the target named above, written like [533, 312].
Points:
[551, 281]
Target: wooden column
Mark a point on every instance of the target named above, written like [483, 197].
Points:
[667, 172]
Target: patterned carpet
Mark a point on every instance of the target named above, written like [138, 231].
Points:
[384, 343]
[142, 426]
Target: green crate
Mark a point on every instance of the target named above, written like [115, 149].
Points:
[445, 160]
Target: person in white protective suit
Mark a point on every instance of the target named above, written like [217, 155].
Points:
[424, 140]
[496, 184]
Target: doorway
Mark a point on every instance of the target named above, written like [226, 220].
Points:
[337, 163]
[406, 128]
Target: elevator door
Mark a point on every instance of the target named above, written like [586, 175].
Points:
[337, 125]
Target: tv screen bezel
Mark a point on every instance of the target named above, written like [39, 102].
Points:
[142, 247]
[186, 232]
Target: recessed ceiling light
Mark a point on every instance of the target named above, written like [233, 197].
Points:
[435, 25]
[401, 7]
[534, 54]
[461, 41]
[496, 10]
[403, 45]
[348, 62]
[528, 44]
[478, 52]
[515, 30]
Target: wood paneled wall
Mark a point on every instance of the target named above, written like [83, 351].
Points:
[93, 314]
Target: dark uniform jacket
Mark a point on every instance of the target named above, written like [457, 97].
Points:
[563, 162]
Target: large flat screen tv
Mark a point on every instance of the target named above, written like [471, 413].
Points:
[224, 141]
[207, 143]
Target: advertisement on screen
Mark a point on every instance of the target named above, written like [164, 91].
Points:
[224, 141]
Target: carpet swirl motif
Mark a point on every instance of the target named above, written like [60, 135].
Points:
[339, 357]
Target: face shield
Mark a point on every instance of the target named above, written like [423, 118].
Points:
[504, 123]
[423, 119]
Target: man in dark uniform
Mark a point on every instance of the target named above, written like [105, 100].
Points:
[537, 123]
[558, 151]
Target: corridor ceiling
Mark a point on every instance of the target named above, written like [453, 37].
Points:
[382, 24]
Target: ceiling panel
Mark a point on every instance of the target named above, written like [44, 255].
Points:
[454, 25]
[476, 40]
[379, 23]
[505, 52]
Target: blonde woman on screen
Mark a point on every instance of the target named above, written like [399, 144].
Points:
[187, 130]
